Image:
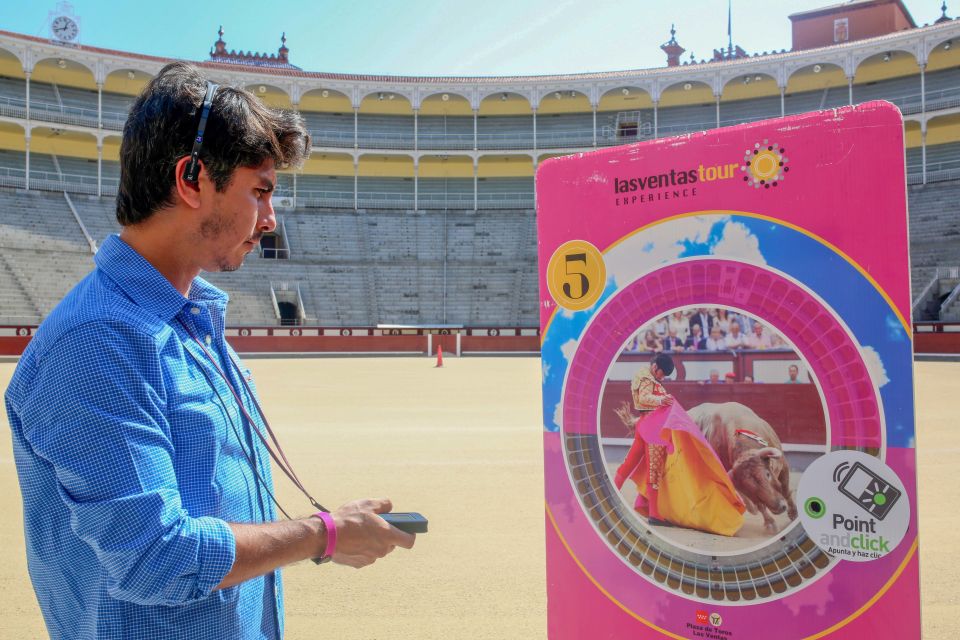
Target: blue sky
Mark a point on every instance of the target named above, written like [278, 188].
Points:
[429, 37]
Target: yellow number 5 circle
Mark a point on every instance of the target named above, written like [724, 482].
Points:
[576, 275]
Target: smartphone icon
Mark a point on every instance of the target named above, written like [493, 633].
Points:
[874, 494]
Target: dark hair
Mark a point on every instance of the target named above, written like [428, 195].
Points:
[241, 132]
[664, 362]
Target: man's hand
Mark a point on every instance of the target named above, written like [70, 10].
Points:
[666, 401]
[363, 537]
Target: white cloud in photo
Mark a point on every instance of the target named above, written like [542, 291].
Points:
[657, 245]
[568, 348]
[874, 366]
[558, 414]
[737, 242]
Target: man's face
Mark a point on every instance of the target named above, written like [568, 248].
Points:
[794, 371]
[237, 218]
[757, 328]
[656, 372]
[735, 328]
[696, 330]
[715, 333]
[714, 376]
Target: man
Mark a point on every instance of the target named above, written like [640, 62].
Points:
[735, 338]
[794, 372]
[716, 341]
[648, 394]
[703, 318]
[696, 341]
[146, 484]
[672, 342]
[760, 339]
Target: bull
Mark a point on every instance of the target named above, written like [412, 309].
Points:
[750, 452]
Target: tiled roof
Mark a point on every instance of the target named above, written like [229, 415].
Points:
[481, 80]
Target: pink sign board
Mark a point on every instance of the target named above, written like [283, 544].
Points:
[728, 384]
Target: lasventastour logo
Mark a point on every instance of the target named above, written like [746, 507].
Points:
[855, 506]
[765, 165]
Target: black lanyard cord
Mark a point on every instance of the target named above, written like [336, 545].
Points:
[236, 432]
[284, 465]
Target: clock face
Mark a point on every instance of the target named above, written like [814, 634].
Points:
[64, 28]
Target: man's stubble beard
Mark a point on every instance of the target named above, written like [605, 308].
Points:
[215, 226]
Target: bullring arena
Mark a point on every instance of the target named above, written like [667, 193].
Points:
[462, 445]
[411, 230]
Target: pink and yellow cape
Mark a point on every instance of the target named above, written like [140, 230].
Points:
[695, 490]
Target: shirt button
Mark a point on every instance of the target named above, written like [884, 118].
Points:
[207, 340]
[195, 311]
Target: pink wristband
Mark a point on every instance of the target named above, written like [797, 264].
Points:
[331, 532]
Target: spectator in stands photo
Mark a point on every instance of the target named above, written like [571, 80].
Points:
[714, 378]
[716, 341]
[139, 442]
[672, 342]
[722, 320]
[793, 371]
[702, 318]
[745, 322]
[660, 327]
[679, 323]
[735, 339]
[651, 342]
[759, 339]
[696, 341]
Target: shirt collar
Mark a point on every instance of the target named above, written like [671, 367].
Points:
[146, 286]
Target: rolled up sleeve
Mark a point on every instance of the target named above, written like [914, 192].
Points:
[96, 413]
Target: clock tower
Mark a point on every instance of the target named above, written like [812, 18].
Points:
[64, 25]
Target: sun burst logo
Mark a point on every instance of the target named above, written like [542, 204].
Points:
[765, 165]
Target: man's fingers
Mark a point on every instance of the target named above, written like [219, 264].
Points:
[381, 505]
[404, 539]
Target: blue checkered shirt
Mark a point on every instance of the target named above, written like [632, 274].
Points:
[129, 466]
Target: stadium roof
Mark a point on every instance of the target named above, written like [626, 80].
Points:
[480, 80]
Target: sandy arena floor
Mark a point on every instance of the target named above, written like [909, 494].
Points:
[463, 446]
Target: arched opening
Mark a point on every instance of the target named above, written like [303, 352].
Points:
[64, 92]
[564, 120]
[445, 121]
[892, 76]
[328, 115]
[686, 106]
[271, 95]
[943, 148]
[942, 75]
[385, 121]
[815, 86]
[625, 114]
[445, 182]
[325, 180]
[385, 181]
[505, 121]
[12, 155]
[748, 98]
[62, 159]
[505, 182]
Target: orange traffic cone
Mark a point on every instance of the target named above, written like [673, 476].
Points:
[439, 356]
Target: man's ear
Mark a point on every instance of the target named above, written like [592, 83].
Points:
[189, 192]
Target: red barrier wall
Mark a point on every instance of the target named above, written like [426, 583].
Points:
[328, 344]
[936, 342]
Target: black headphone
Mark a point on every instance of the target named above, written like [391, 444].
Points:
[192, 171]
